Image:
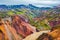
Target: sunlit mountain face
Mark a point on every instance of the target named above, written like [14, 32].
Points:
[21, 19]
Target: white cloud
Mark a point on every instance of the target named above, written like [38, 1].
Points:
[34, 2]
[43, 6]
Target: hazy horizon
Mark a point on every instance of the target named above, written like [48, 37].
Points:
[38, 3]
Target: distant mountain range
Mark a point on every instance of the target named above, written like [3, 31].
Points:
[23, 6]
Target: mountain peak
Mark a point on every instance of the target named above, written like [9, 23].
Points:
[30, 6]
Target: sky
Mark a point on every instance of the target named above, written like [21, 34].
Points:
[38, 3]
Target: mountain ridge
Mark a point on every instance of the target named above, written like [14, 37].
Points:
[23, 6]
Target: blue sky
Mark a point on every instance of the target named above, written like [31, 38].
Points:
[38, 3]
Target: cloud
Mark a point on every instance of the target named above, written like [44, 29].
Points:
[34, 2]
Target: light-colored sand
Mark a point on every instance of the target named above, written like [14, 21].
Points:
[35, 35]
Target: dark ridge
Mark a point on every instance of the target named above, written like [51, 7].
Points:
[44, 36]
